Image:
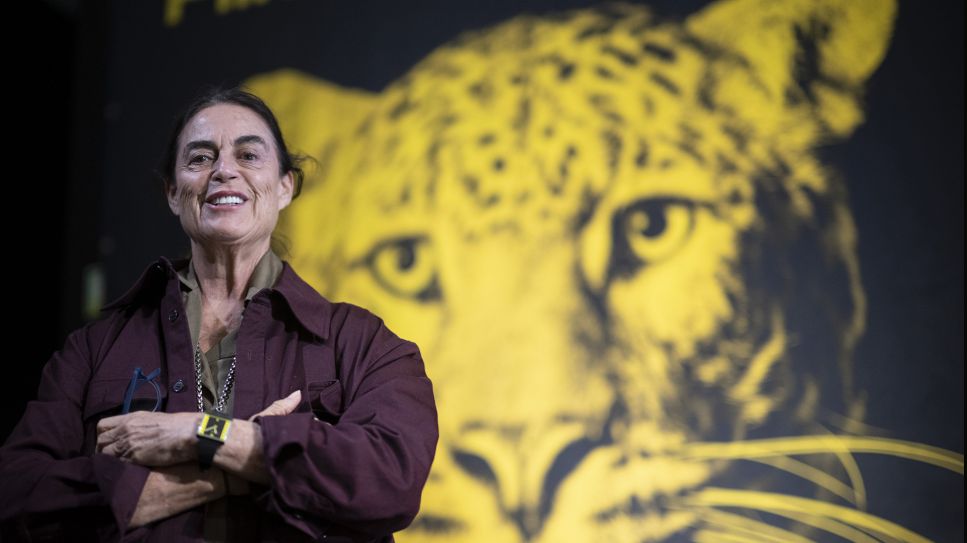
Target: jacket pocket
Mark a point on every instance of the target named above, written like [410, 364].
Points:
[325, 399]
[105, 397]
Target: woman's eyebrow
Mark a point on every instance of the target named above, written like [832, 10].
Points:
[200, 144]
[252, 138]
[208, 144]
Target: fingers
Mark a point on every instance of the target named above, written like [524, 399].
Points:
[149, 439]
[108, 432]
[281, 407]
[111, 437]
[289, 403]
[108, 423]
[113, 443]
[104, 438]
[110, 428]
[120, 449]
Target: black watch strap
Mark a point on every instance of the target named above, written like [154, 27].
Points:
[206, 452]
[212, 433]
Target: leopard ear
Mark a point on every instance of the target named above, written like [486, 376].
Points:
[810, 57]
[319, 120]
[312, 113]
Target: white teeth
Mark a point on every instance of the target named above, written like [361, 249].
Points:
[221, 200]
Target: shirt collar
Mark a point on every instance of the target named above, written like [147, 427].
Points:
[265, 274]
[312, 311]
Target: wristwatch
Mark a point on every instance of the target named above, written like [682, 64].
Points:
[212, 433]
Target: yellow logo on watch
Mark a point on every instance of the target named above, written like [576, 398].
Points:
[214, 427]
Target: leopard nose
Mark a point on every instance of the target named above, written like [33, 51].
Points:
[512, 497]
[523, 467]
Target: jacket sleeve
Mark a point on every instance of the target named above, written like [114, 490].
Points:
[48, 480]
[363, 474]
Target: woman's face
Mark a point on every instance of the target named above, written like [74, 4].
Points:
[227, 189]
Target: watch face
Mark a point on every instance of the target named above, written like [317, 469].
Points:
[213, 427]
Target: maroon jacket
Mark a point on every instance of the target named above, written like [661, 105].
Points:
[350, 462]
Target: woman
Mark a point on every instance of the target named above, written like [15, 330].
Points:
[271, 413]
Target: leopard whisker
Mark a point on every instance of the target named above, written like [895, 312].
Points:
[825, 444]
[750, 529]
[818, 477]
[853, 472]
[718, 536]
[848, 533]
[826, 516]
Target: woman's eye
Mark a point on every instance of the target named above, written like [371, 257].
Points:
[651, 230]
[405, 267]
[199, 159]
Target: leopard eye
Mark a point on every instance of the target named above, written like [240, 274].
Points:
[404, 266]
[649, 231]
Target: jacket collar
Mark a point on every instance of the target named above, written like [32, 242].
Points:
[312, 311]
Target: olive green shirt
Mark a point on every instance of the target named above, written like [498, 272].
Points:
[215, 364]
[218, 359]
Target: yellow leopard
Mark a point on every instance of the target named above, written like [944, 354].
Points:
[635, 286]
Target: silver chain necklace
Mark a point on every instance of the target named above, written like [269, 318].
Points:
[229, 379]
[226, 388]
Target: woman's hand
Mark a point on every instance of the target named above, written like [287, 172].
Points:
[150, 439]
[242, 453]
[164, 439]
[280, 407]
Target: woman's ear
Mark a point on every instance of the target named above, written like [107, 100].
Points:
[286, 188]
[171, 192]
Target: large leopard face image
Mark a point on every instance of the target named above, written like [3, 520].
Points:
[634, 284]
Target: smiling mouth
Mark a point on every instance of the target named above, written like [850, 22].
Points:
[225, 201]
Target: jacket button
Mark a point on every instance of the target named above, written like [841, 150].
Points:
[178, 386]
[173, 315]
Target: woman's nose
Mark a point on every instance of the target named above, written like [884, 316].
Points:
[224, 167]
